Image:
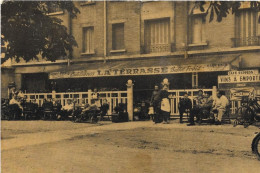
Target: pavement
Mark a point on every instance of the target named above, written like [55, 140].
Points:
[64, 146]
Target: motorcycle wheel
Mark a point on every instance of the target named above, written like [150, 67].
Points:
[256, 146]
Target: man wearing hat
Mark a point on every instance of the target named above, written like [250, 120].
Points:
[196, 110]
[155, 100]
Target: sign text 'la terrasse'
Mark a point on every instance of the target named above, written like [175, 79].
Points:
[140, 71]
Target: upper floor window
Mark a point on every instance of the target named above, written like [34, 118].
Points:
[54, 8]
[88, 40]
[118, 42]
[157, 35]
[197, 29]
[246, 26]
[86, 2]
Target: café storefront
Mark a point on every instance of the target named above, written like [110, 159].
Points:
[111, 78]
[197, 72]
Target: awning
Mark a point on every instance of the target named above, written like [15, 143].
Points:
[148, 67]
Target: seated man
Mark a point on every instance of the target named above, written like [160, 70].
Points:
[15, 106]
[91, 108]
[184, 105]
[104, 108]
[206, 105]
[57, 107]
[47, 107]
[196, 110]
[14, 100]
[219, 107]
[67, 110]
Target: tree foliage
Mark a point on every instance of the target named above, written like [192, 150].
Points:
[221, 9]
[29, 31]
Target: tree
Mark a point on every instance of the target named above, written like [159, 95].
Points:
[29, 31]
[222, 8]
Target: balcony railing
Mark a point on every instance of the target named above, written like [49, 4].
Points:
[247, 41]
[155, 48]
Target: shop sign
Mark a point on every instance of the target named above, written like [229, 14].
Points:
[141, 71]
[238, 93]
[244, 72]
[238, 78]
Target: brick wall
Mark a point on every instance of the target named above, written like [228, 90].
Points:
[134, 14]
[180, 24]
[90, 15]
[129, 14]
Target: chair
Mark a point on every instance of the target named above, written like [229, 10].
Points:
[29, 110]
[48, 111]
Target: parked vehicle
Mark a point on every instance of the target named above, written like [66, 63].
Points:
[256, 145]
[248, 113]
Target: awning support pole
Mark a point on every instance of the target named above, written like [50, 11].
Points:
[130, 98]
[214, 92]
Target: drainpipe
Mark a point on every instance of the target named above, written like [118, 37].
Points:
[70, 32]
[105, 30]
[141, 35]
[187, 32]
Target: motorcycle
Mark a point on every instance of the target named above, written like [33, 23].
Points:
[256, 145]
[248, 113]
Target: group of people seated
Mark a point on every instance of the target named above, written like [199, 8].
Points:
[53, 108]
[204, 106]
[71, 109]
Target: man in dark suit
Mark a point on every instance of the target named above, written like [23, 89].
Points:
[184, 106]
[156, 101]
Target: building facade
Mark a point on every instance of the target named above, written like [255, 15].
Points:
[145, 42]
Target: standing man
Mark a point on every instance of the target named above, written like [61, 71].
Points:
[219, 107]
[184, 105]
[196, 110]
[104, 108]
[156, 102]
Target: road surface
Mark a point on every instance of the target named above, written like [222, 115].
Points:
[63, 146]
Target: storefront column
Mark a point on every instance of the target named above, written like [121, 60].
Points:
[130, 98]
[214, 92]
[89, 96]
[53, 93]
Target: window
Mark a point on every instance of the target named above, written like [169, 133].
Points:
[194, 80]
[118, 42]
[246, 28]
[157, 35]
[88, 40]
[54, 8]
[197, 33]
[87, 2]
